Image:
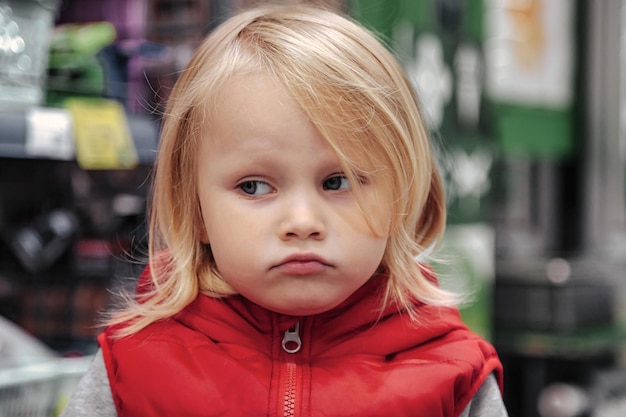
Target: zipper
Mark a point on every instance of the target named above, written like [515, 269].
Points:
[289, 401]
[291, 344]
[291, 339]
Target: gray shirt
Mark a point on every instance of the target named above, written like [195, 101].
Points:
[93, 397]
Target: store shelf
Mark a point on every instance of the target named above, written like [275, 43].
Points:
[578, 344]
[14, 132]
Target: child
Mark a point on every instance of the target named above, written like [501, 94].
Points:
[294, 188]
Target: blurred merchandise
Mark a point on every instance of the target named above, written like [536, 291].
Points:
[74, 68]
[41, 243]
[65, 316]
[24, 43]
[151, 42]
[179, 23]
[135, 71]
[530, 74]
[102, 134]
[554, 295]
[68, 238]
[556, 71]
[603, 394]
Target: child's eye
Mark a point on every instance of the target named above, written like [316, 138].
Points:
[255, 187]
[337, 182]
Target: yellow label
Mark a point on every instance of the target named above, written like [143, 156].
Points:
[103, 139]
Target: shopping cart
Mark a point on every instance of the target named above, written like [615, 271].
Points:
[34, 380]
[40, 389]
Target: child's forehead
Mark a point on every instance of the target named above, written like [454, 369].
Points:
[249, 94]
[344, 120]
[256, 102]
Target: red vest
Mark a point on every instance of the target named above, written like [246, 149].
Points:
[226, 358]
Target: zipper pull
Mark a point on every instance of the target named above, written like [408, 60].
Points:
[291, 339]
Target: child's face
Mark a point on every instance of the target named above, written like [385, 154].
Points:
[281, 219]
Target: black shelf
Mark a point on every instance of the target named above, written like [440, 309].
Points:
[144, 130]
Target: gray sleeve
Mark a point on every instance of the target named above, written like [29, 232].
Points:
[487, 402]
[92, 396]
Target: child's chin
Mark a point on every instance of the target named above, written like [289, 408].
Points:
[304, 308]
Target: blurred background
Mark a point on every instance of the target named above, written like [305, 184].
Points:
[526, 102]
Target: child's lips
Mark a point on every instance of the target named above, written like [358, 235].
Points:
[302, 265]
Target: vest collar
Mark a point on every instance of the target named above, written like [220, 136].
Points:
[349, 327]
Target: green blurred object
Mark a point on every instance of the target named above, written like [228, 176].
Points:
[383, 15]
[573, 345]
[81, 39]
[537, 132]
[74, 68]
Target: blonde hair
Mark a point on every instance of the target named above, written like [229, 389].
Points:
[359, 98]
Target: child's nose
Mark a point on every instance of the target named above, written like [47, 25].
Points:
[303, 219]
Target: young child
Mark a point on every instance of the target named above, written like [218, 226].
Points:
[294, 188]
